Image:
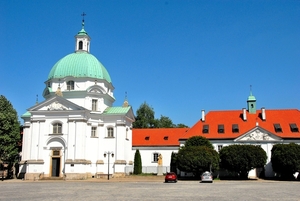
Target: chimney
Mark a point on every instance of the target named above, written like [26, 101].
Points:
[263, 114]
[244, 114]
[203, 115]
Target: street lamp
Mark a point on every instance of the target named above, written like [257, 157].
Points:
[112, 155]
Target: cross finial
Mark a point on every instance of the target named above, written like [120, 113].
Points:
[37, 99]
[83, 14]
[250, 89]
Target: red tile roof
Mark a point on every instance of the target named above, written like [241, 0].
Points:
[227, 118]
[156, 137]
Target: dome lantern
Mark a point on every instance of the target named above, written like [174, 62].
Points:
[82, 39]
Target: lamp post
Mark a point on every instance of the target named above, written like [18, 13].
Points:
[112, 155]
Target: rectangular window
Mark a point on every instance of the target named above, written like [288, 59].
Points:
[221, 128]
[155, 157]
[277, 128]
[205, 129]
[294, 128]
[94, 104]
[220, 147]
[55, 153]
[57, 128]
[110, 132]
[94, 132]
[235, 128]
[70, 85]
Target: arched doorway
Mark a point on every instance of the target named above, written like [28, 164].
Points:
[56, 147]
[55, 163]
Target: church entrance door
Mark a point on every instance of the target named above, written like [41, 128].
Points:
[55, 167]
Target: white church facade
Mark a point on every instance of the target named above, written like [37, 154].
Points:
[76, 132]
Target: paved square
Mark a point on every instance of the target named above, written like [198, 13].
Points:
[154, 190]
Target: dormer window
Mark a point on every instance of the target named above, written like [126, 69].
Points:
[205, 129]
[294, 128]
[235, 128]
[80, 45]
[147, 138]
[70, 85]
[277, 128]
[221, 128]
[166, 137]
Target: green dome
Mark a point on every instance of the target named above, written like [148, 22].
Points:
[79, 64]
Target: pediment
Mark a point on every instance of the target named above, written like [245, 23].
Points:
[130, 115]
[258, 134]
[56, 103]
[96, 89]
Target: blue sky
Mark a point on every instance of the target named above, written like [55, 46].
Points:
[178, 56]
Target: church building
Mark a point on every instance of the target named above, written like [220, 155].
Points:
[76, 132]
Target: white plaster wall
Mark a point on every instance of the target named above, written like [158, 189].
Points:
[147, 155]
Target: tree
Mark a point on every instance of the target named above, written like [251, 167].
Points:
[181, 126]
[286, 159]
[9, 133]
[137, 168]
[197, 159]
[173, 163]
[198, 141]
[242, 158]
[145, 117]
[165, 122]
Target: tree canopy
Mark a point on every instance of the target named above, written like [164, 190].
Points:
[286, 159]
[9, 132]
[145, 118]
[242, 158]
[198, 141]
[197, 156]
[197, 159]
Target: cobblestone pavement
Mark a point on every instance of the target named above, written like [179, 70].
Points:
[148, 188]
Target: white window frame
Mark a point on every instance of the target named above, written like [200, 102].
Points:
[70, 85]
[154, 157]
[94, 104]
[110, 132]
[57, 128]
[94, 131]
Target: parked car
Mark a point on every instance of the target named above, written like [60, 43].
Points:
[171, 176]
[207, 177]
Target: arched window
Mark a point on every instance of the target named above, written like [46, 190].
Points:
[80, 45]
[57, 128]
[110, 132]
[70, 85]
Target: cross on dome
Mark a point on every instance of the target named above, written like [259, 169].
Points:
[83, 14]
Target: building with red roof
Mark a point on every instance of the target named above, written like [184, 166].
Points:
[246, 126]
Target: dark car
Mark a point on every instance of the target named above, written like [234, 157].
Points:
[207, 177]
[171, 176]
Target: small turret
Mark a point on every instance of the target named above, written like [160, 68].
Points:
[251, 102]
